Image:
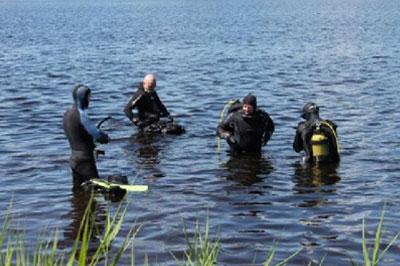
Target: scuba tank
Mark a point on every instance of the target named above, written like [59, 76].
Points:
[319, 144]
[231, 106]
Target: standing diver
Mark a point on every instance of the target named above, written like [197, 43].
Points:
[150, 108]
[317, 137]
[248, 128]
[81, 133]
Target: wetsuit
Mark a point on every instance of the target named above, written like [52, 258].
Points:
[150, 108]
[304, 132]
[81, 133]
[246, 133]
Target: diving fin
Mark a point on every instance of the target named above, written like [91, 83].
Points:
[107, 185]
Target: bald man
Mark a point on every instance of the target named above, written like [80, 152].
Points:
[149, 106]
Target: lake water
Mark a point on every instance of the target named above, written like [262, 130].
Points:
[344, 55]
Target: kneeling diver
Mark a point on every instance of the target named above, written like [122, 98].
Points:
[248, 128]
[81, 133]
[317, 137]
[150, 110]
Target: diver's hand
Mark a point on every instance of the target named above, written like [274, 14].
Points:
[140, 124]
[265, 138]
[135, 120]
[229, 137]
[104, 138]
[225, 135]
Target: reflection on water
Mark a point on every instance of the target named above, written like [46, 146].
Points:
[247, 169]
[79, 203]
[148, 149]
[308, 176]
[87, 207]
[315, 179]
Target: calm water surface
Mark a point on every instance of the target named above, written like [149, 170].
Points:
[344, 55]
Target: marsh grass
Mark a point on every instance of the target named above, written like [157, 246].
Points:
[271, 256]
[202, 249]
[46, 252]
[373, 255]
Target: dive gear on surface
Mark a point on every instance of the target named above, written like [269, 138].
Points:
[104, 184]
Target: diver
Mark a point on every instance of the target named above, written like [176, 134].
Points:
[150, 109]
[246, 128]
[317, 137]
[81, 133]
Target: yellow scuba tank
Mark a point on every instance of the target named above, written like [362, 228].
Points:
[319, 145]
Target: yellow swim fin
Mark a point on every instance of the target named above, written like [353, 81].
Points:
[107, 185]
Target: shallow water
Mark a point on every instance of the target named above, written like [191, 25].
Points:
[343, 55]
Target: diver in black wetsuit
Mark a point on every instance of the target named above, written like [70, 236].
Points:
[81, 133]
[317, 137]
[247, 129]
[150, 108]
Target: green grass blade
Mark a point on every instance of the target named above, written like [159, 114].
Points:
[52, 257]
[121, 250]
[133, 255]
[113, 226]
[388, 246]
[367, 262]
[4, 230]
[378, 237]
[9, 255]
[80, 232]
[321, 263]
[270, 256]
[85, 242]
[285, 261]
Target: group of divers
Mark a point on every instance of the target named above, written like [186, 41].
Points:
[246, 128]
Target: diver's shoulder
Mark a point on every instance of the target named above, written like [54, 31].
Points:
[263, 113]
[331, 123]
[139, 92]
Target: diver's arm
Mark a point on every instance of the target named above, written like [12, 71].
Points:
[269, 126]
[298, 140]
[128, 109]
[163, 110]
[225, 129]
[91, 128]
[132, 105]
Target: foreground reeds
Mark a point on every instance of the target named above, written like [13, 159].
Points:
[82, 253]
[374, 255]
[202, 249]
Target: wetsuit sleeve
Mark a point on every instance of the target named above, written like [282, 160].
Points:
[91, 128]
[270, 125]
[163, 110]
[298, 140]
[269, 128]
[132, 105]
[225, 128]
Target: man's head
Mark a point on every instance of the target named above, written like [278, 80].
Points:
[309, 109]
[249, 104]
[81, 95]
[149, 82]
